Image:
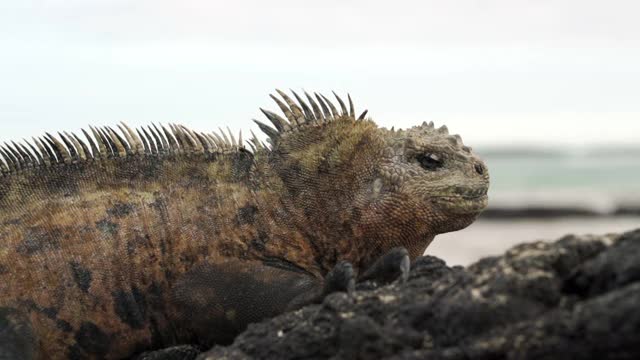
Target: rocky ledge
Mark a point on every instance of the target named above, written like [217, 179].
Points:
[577, 298]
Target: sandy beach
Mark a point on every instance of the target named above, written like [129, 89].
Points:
[493, 237]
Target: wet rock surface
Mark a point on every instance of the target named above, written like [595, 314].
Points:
[577, 298]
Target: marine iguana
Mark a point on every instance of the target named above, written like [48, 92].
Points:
[140, 239]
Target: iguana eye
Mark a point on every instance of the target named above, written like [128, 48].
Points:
[430, 161]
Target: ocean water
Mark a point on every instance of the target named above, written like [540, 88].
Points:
[601, 180]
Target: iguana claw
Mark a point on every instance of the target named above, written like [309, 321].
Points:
[390, 267]
[341, 278]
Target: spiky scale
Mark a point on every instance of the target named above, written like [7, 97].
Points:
[316, 109]
[192, 141]
[80, 147]
[285, 110]
[342, 106]
[308, 114]
[187, 141]
[128, 139]
[213, 142]
[94, 149]
[334, 111]
[122, 139]
[75, 156]
[31, 160]
[145, 142]
[233, 139]
[268, 130]
[3, 167]
[32, 150]
[24, 163]
[45, 159]
[114, 152]
[173, 143]
[177, 134]
[38, 154]
[103, 147]
[120, 145]
[51, 154]
[154, 141]
[9, 159]
[352, 110]
[325, 109]
[205, 143]
[15, 157]
[26, 157]
[161, 141]
[135, 141]
[295, 109]
[26, 152]
[226, 140]
[222, 144]
[276, 120]
[199, 146]
[255, 141]
[61, 150]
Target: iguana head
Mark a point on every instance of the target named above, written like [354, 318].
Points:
[380, 187]
[429, 164]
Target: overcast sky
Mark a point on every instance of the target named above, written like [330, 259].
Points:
[496, 71]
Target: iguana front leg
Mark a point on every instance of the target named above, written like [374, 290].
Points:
[215, 301]
[393, 265]
[342, 278]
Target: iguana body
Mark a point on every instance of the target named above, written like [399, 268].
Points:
[144, 239]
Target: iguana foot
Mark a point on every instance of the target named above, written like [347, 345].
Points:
[342, 278]
[392, 266]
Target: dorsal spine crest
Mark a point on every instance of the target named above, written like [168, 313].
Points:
[107, 143]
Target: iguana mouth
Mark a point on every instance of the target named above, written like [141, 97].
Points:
[463, 200]
[470, 194]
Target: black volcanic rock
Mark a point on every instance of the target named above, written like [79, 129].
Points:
[185, 352]
[577, 298]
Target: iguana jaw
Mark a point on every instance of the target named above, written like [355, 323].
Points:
[463, 201]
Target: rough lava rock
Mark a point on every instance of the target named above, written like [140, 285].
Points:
[577, 298]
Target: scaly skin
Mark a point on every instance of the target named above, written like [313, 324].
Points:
[145, 240]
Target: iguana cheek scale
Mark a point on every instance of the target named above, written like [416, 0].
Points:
[131, 240]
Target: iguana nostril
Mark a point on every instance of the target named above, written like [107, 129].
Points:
[479, 169]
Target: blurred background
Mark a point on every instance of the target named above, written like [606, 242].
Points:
[546, 91]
